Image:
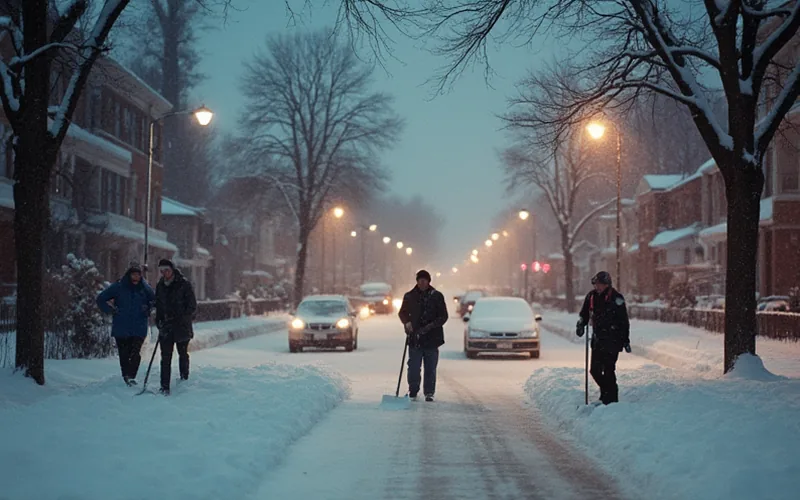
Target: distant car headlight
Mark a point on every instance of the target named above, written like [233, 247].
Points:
[343, 323]
[364, 313]
[528, 334]
[386, 302]
[478, 334]
[397, 303]
[298, 324]
[470, 307]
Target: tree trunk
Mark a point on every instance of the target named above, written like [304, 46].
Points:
[744, 185]
[300, 268]
[568, 280]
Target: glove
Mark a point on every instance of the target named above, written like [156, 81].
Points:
[627, 347]
[579, 328]
[409, 328]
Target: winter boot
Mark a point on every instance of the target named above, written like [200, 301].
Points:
[164, 391]
[429, 398]
[129, 381]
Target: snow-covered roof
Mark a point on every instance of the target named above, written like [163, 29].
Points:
[258, 274]
[609, 251]
[117, 225]
[555, 256]
[315, 298]
[633, 248]
[376, 286]
[662, 182]
[176, 208]
[720, 231]
[668, 237]
[77, 133]
[115, 74]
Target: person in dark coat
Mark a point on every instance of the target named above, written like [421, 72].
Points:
[130, 300]
[175, 309]
[604, 308]
[423, 314]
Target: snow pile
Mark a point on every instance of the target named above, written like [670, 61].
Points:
[215, 333]
[215, 437]
[680, 346]
[680, 438]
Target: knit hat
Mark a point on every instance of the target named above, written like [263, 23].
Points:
[166, 263]
[423, 274]
[134, 267]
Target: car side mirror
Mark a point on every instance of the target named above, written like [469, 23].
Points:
[466, 319]
[538, 317]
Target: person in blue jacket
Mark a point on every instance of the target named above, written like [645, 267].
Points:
[130, 300]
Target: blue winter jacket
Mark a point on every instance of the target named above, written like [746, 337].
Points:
[131, 309]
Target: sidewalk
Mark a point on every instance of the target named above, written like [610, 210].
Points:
[680, 346]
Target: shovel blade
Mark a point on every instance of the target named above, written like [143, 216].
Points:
[392, 402]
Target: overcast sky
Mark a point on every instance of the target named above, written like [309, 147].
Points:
[447, 150]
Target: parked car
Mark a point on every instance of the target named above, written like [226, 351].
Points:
[467, 301]
[501, 324]
[378, 296]
[774, 303]
[324, 321]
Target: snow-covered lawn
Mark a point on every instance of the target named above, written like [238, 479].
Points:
[681, 346]
[224, 429]
[85, 435]
[679, 436]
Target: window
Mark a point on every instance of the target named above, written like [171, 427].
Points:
[687, 256]
[63, 177]
[133, 199]
[790, 182]
[767, 166]
[117, 120]
[112, 192]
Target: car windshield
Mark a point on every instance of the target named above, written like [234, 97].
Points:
[472, 296]
[375, 290]
[322, 308]
[502, 309]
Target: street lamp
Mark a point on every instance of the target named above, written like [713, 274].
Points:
[495, 236]
[475, 251]
[596, 131]
[386, 240]
[505, 234]
[338, 212]
[373, 228]
[203, 115]
[409, 251]
[399, 245]
[488, 243]
[455, 270]
[474, 259]
[524, 214]
[353, 234]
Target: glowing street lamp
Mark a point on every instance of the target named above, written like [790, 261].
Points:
[596, 130]
[475, 252]
[474, 259]
[505, 234]
[495, 236]
[524, 214]
[455, 270]
[386, 240]
[409, 251]
[438, 275]
[488, 243]
[399, 245]
[353, 234]
[373, 228]
[338, 212]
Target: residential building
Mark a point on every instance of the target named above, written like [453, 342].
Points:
[188, 228]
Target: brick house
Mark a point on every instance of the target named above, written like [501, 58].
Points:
[98, 190]
[188, 228]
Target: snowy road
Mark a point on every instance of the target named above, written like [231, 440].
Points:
[480, 439]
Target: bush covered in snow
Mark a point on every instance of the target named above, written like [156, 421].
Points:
[682, 296]
[75, 326]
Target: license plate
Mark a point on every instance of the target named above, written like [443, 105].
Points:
[320, 336]
[504, 345]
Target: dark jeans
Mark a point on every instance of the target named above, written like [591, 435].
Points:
[602, 368]
[129, 349]
[416, 357]
[166, 360]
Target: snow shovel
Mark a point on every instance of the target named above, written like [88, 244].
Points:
[586, 365]
[147, 376]
[396, 402]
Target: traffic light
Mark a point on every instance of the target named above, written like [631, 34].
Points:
[524, 267]
[537, 266]
[546, 268]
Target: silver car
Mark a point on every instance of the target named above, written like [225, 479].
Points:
[324, 321]
[501, 325]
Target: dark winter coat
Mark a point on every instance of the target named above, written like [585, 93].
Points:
[427, 312]
[608, 315]
[175, 308]
[131, 309]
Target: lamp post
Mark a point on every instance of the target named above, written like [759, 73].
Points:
[596, 131]
[386, 241]
[203, 115]
[524, 214]
[338, 213]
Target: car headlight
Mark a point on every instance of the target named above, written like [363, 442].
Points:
[364, 313]
[386, 302]
[478, 334]
[397, 303]
[343, 323]
[298, 324]
[470, 307]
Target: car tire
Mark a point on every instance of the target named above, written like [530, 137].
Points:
[472, 354]
[294, 348]
[534, 354]
[355, 343]
[350, 347]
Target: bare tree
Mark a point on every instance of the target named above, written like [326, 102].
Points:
[562, 176]
[639, 47]
[313, 127]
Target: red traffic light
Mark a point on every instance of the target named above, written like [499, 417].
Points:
[537, 266]
[546, 268]
[524, 267]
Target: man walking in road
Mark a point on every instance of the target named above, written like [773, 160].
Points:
[175, 309]
[423, 314]
[605, 309]
[130, 300]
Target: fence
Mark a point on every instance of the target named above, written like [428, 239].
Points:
[64, 343]
[773, 325]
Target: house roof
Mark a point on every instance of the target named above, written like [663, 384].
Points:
[178, 209]
[665, 238]
[720, 231]
[662, 182]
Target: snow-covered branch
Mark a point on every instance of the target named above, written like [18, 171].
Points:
[586, 218]
[769, 48]
[783, 104]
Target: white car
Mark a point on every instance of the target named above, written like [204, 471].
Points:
[324, 321]
[501, 325]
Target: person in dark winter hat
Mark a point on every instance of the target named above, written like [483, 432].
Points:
[130, 300]
[175, 309]
[423, 314]
[604, 308]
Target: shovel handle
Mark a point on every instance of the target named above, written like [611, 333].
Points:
[402, 363]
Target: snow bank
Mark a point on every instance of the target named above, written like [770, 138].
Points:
[676, 438]
[680, 346]
[215, 437]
